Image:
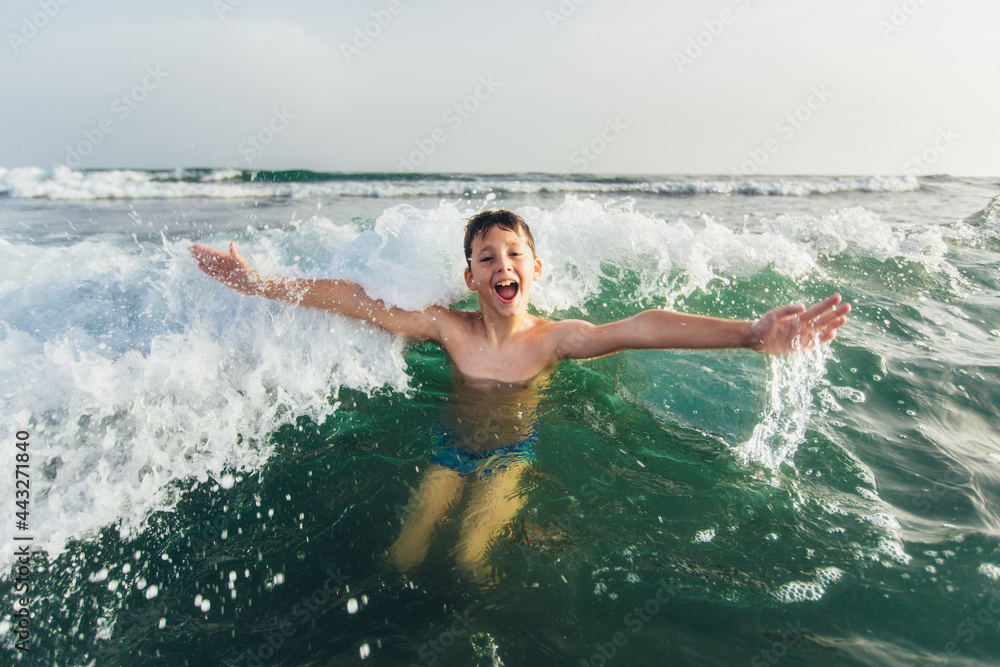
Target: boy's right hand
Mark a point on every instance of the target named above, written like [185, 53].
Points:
[792, 328]
[230, 268]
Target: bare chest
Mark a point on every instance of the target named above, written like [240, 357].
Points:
[511, 362]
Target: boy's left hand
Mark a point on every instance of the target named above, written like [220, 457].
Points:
[229, 268]
[792, 328]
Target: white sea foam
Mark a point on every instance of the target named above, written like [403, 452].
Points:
[858, 232]
[705, 535]
[64, 183]
[894, 549]
[808, 591]
[990, 570]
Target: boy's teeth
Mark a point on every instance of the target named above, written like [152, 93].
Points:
[507, 289]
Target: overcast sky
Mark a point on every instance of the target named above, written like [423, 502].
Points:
[631, 86]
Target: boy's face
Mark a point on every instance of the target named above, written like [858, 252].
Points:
[502, 270]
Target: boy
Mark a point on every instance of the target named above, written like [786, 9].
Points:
[499, 352]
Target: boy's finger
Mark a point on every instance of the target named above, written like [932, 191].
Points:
[789, 310]
[829, 317]
[821, 307]
[204, 252]
[827, 337]
[236, 253]
[204, 256]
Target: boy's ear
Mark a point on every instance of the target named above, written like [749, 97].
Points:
[538, 268]
[468, 279]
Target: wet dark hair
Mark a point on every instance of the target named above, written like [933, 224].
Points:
[480, 224]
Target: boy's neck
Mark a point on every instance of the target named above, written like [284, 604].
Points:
[497, 328]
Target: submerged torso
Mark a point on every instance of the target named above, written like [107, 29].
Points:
[484, 415]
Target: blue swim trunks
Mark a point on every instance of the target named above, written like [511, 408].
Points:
[463, 462]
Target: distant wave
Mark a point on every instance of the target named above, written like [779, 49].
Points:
[989, 215]
[63, 183]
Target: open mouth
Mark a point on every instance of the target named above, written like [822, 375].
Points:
[506, 290]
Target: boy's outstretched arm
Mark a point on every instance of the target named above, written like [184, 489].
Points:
[780, 331]
[338, 296]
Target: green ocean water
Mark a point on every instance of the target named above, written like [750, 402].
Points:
[219, 480]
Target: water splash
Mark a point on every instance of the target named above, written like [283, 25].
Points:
[135, 373]
[787, 410]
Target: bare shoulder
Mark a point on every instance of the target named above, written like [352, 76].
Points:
[450, 316]
[450, 322]
[433, 323]
[560, 336]
[557, 328]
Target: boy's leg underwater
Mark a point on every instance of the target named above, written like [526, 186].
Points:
[438, 491]
[494, 502]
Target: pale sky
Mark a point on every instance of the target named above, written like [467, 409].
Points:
[626, 87]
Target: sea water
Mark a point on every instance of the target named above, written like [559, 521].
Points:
[216, 479]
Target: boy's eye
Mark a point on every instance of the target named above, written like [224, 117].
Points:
[485, 259]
